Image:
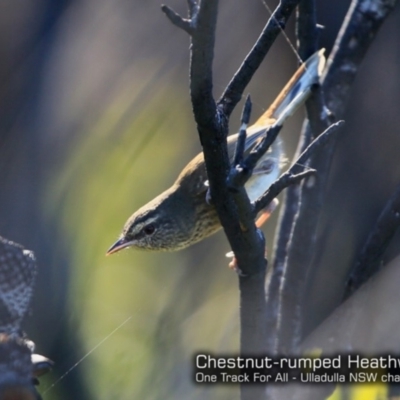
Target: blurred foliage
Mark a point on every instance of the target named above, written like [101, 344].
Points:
[111, 171]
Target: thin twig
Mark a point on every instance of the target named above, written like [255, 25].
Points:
[177, 20]
[253, 60]
[240, 173]
[278, 186]
[255, 155]
[293, 176]
[240, 145]
[320, 141]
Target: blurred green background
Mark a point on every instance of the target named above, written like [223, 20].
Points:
[95, 120]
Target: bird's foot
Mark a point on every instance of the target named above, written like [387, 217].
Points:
[233, 265]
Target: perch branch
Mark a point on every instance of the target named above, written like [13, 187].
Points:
[212, 125]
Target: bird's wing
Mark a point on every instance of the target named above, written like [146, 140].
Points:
[295, 91]
[288, 101]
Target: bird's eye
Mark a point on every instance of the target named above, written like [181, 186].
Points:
[149, 229]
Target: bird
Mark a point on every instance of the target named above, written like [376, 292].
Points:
[181, 215]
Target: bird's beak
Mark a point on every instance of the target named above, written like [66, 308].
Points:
[118, 245]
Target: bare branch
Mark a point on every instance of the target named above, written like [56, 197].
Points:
[238, 176]
[201, 82]
[275, 274]
[306, 29]
[269, 138]
[282, 183]
[320, 141]
[240, 145]
[292, 176]
[241, 173]
[177, 20]
[360, 28]
[307, 33]
[233, 207]
[213, 128]
[243, 75]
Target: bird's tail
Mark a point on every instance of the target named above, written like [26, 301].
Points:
[295, 92]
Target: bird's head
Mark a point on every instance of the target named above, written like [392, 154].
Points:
[159, 225]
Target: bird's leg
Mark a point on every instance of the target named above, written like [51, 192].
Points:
[266, 213]
[261, 220]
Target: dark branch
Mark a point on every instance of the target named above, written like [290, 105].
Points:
[377, 242]
[240, 173]
[361, 25]
[278, 186]
[269, 138]
[307, 31]
[238, 176]
[240, 145]
[245, 240]
[242, 77]
[177, 20]
[360, 28]
[233, 207]
[201, 81]
[293, 286]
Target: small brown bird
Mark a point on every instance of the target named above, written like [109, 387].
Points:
[181, 216]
